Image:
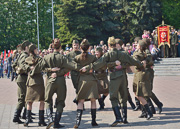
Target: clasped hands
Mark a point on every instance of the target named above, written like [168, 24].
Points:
[54, 75]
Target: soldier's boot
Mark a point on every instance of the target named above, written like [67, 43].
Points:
[55, 105]
[124, 114]
[24, 114]
[56, 121]
[138, 106]
[75, 101]
[93, 115]
[33, 114]
[28, 118]
[117, 115]
[101, 103]
[17, 116]
[50, 118]
[148, 111]
[131, 102]
[78, 118]
[143, 114]
[157, 102]
[41, 118]
[151, 106]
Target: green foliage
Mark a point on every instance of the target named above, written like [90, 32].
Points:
[91, 19]
[170, 10]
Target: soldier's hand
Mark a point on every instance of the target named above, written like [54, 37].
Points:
[119, 67]
[118, 62]
[53, 75]
[55, 69]
[83, 69]
[91, 71]
[144, 63]
[32, 67]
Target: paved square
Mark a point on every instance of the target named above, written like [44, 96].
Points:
[167, 89]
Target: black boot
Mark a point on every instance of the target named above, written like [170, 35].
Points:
[32, 114]
[131, 102]
[17, 116]
[160, 105]
[93, 115]
[28, 118]
[24, 114]
[50, 118]
[101, 103]
[78, 118]
[41, 118]
[157, 102]
[56, 121]
[149, 113]
[55, 105]
[151, 106]
[75, 101]
[143, 114]
[138, 106]
[124, 114]
[117, 115]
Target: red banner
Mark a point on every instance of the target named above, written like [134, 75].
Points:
[163, 36]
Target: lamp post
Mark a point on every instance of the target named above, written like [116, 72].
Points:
[52, 20]
[37, 23]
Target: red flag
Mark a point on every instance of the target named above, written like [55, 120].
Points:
[11, 51]
[163, 36]
[4, 54]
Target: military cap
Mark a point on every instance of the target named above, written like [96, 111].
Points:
[57, 43]
[75, 41]
[111, 40]
[25, 44]
[119, 41]
[147, 41]
[32, 47]
[142, 43]
[84, 42]
[137, 39]
[99, 49]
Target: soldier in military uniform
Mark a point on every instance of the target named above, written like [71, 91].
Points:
[35, 87]
[55, 82]
[174, 40]
[149, 67]
[74, 74]
[125, 66]
[21, 80]
[87, 85]
[117, 82]
[142, 89]
[103, 83]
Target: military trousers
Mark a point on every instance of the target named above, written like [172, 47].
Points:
[118, 91]
[74, 79]
[21, 95]
[58, 86]
[173, 50]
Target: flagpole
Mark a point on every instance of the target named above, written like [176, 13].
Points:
[52, 19]
[37, 23]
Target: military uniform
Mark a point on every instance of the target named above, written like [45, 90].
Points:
[174, 41]
[117, 82]
[21, 81]
[87, 85]
[55, 85]
[74, 74]
[35, 83]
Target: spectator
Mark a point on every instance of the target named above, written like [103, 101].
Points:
[101, 43]
[9, 67]
[155, 52]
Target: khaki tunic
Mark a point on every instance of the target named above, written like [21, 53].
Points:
[87, 85]
[74, 74]
[103, 83]
[35, 83]
[143, 77]
[116, 77]
[21, 79]
[55, 85]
